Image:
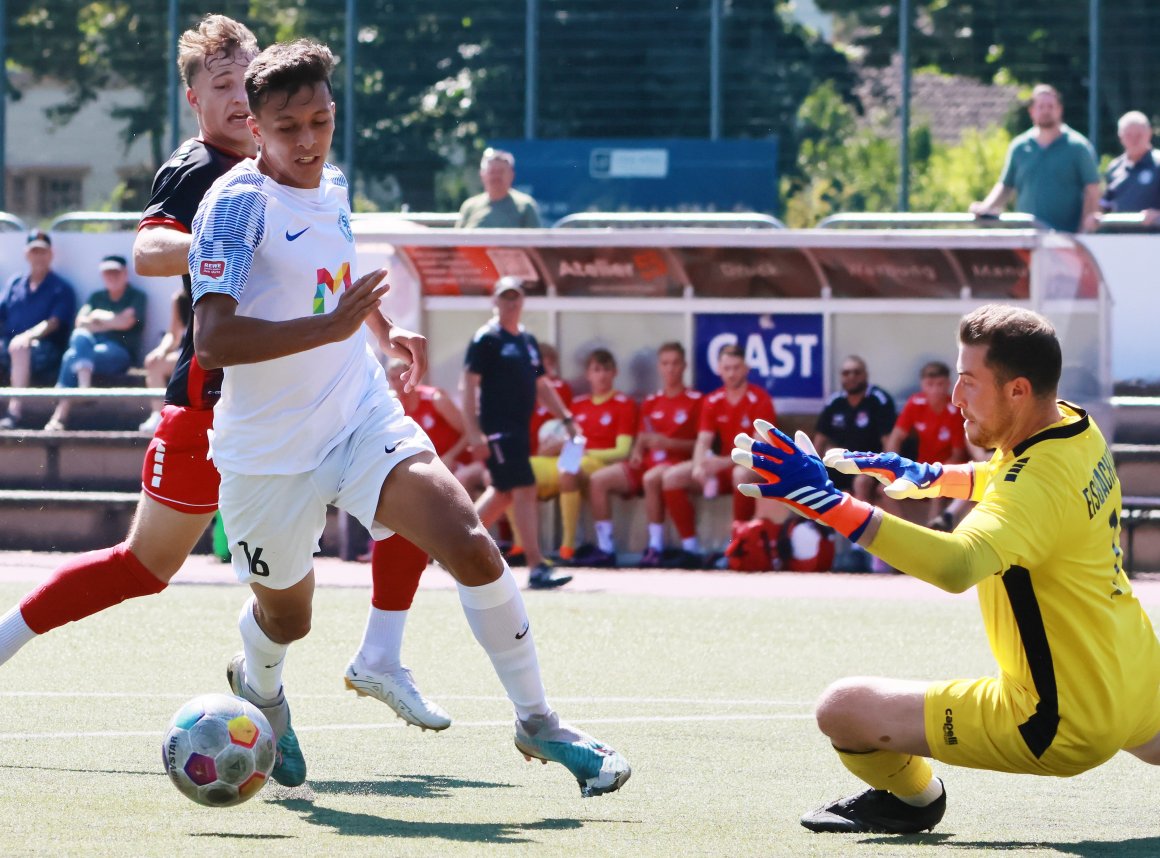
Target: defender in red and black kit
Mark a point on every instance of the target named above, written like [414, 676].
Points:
[177, 471]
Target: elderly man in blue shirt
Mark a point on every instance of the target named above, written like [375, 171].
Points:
[1133, 179]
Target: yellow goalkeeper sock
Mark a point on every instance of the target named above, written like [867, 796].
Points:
[903, 775]
[569, 517]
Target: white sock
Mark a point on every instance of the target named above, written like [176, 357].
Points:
[499, 622]
[382, 643]
[656, 536]
[14, 633]
[933, 790]
[264, 658]
[604, 537]
[691, 544]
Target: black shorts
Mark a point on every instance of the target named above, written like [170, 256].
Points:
[509, 463]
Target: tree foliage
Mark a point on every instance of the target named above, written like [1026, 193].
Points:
[1028, 42]
[845, 166]
[435, 81]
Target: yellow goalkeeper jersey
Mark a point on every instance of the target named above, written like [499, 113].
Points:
[1060, 615]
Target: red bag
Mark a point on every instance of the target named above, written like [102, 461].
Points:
[753, 546]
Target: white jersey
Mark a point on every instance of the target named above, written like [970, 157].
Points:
[257, 241]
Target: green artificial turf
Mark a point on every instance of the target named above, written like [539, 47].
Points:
[709, 699]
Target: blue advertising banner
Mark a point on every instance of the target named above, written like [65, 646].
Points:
[783, 350]
[568, 176]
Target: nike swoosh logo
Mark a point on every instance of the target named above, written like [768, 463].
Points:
[275, 664]
[392, 448]
[520, 636]
[298, 234]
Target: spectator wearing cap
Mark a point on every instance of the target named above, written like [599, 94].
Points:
[498, 207]
[106, 337]
[35, 317]
[1133, 179]
[503, 376]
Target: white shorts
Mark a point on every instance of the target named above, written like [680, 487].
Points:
[274, 522]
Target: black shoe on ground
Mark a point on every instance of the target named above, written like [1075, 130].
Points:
[9, 422]
[690, 560]
[545, 577]
[593, 556]
[875, 811]
[517, 559]
[651, 559]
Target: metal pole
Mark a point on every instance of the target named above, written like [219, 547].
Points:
[904, 18]
[3, 105]
[349, 119]
[1094, 74]
[171, 77]
[531, 67]
[715, 70]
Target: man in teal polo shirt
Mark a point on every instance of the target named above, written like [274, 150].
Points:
[1050, 169]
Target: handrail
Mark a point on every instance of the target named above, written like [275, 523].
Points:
[440, 220]
[79, 221]
[82, 392]
[926, 220]
[1125, 222]
[11, 223]
[669, 220]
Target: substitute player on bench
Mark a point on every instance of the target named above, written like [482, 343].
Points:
[1079, 663]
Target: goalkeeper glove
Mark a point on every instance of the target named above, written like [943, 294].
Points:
[794, 475]
[902, 477]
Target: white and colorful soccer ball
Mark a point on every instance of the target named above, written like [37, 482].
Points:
[218, 750]
[553, 430]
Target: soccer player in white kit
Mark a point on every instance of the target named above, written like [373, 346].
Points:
[305, 417]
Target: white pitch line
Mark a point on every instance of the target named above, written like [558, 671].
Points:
[328, 728]
[678, 701]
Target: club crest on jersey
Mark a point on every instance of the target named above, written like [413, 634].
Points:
[213, 268]
[328, 282]
[344, 225]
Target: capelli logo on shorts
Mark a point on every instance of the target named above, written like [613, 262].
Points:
[213, 268]
[949, 729]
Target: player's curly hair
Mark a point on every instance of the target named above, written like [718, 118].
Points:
[216, 39]
[285, 68]
[1019, 343]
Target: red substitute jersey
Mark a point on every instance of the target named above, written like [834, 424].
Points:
[674, 417]
[727, 419]
[939, 432]
[177, 189]
[542, 415]
[601, 424]
[442, 434]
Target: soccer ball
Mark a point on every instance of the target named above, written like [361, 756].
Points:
[553, 430]
[218, 750]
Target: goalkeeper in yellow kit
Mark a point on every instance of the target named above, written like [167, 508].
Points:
[1079, 664]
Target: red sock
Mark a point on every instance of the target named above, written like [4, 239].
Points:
[681, 511]
[744, 507]
[396, 564]
[86, 585]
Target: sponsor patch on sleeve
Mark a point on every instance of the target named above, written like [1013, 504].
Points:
[213, 268]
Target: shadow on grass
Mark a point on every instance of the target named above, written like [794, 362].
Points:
[367, 825]
[404, 786]
[1130, 848]
[94, 771]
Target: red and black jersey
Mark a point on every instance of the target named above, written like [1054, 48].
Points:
[177, 189]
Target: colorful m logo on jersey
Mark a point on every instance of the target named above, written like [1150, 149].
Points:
[329, 282]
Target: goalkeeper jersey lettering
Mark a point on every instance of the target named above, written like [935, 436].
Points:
[1061, 618]
[283, 253]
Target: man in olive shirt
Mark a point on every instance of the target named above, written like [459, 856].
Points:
[1050, 169]
[498, 207]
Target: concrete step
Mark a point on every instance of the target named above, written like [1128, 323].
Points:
[87, 520]
[71, 460]
[1138, 467]
[1137, 419]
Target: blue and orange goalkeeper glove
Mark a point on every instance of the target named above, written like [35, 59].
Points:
[902, 477]
[794, 475]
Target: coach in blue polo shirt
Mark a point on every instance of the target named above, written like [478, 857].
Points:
[1050, 170]
[1133, 179]
[35, 319]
